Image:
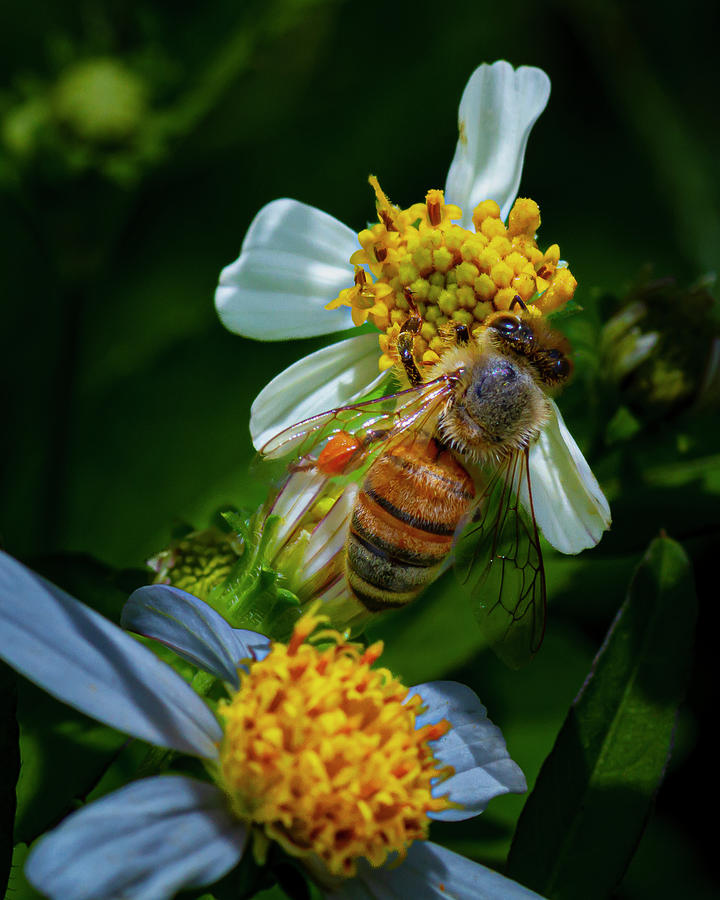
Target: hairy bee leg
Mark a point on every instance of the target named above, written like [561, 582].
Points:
[462, 334]
[518, 301]
[405, 346]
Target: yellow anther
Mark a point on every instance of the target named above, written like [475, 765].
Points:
[560, 291]
[435, 203]
[501, 274]
[484, 210]
[516, 261]
[407, 272]
[524, 286]
[524, 217]
[500, 244]
[552, 255]
[420, 289]
[454, 238]
[380, 315]
[484, 287]
[398, 316]
[466, 273]
[385, 209]
[428, 331]
[504, 297]
[447, 302]
[492, 228]
[423, 258]
[466, 296]
[488, 258]
[463, 317]
[442, 259]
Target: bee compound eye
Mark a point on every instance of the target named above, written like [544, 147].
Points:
[561, 367]
[507, 324]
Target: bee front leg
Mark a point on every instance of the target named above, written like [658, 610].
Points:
[462, 334]
[405, 347]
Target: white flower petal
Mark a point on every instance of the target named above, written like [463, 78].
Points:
[294, 260]
[570, 507]
[330, 534]
[474, 747]
[323, 380]
[84, 660]
[194, 630]
[144, 842]
[498, 109]
[299, 493]
[430, 871]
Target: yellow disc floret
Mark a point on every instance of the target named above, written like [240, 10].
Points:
[322, 752]
[423, 262]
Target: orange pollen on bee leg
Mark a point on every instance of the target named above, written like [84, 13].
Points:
[322, 753]
[338, 452]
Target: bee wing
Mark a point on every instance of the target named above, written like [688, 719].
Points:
[385, 415]
[498, 554]
[305, 485]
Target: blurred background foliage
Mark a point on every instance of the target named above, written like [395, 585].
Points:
[136, 144]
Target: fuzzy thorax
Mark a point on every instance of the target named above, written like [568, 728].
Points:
[497, 406]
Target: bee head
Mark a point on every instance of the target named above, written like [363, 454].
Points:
[530, 337]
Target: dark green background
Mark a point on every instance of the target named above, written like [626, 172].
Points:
[125, 403]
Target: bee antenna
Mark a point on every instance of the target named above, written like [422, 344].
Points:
[518, 300]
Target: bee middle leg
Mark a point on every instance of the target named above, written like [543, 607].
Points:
[405, 347]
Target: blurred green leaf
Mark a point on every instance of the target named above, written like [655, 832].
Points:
[19, 888]
[9, 768]
[63, 753]
[583, 820]
[441, 622]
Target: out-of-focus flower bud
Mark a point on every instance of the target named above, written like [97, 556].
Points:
[662, 349]
[198, 562]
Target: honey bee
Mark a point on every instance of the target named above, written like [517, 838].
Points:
[441, 470]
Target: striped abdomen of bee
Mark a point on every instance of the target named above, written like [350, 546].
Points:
[406, 512]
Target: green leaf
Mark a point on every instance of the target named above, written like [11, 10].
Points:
[440, 622]
[19, 887]
[9, 769]
[586, 814]
[64, 754]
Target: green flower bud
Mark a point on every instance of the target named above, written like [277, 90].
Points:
[662, 348]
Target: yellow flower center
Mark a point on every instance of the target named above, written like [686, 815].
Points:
[423, 262]
[321, 752]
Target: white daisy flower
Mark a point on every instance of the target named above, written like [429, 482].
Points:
[302, 273]
[346, 787]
